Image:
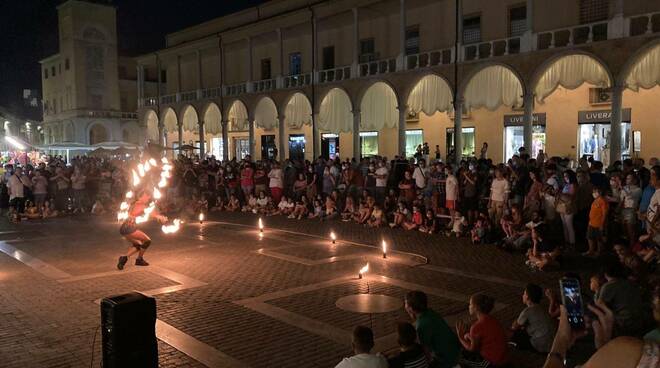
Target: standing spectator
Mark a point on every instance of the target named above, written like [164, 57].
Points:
[62, 189]
[381, 181]
[485, 343]
[276, 183]
[437, 152]
[631, 194]
[499, 193]
[566, 207]
[328, 181]
[484, 151]
[534, 196]
[247, 179]
[426, 151]
[411, 354]
[78, 184]
[419, 175]
[583, 199]
[17, 184]
[39, 189]
[312, 182]
[260, 179]
[435, 336]
[534, 329]
[363, 342]
[451, 191]
[597, 220]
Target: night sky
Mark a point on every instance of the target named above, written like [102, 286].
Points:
[28, 33]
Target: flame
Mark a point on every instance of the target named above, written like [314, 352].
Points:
[165, 174]
[364, 269]
[141, 219]
[162, 183]
[141, 170]
[164, 160]
[153, 162]
[157, 194]
[136, 179]
[147, 166]
[170, 229]
[122, 215]
[129, 194]
[201, 216]
[167, 167]
[384, 247]
[261, 224]
[333, 236]
[123, 206]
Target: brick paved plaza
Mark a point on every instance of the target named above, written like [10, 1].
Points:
[227, 298]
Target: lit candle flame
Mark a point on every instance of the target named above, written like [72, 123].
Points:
[384, 249]
[136, 179]
[261, 225]
[364, 270]
[333, 237]
[170, 229]
[140, 168]
[157, 194]
[129, 194]
[201, 217]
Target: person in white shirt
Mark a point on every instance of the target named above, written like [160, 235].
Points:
[363, 342]
[419, 175]
[381, 181]
[276, 183]
[16, 184]
[451, 191]
[499, 193]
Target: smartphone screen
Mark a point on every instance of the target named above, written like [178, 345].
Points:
[572, 299]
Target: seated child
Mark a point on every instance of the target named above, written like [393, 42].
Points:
[233, 204]
[262, 203]
[318, 210]
[251, 205]
[416, 220]
[97, 208]
[430, 225]
[400, 215]
[300, 210]
[31, 211]
[481, 229]
[458, 224]
[543, 253]
[377, 217]
[349, 209]
[48, 211]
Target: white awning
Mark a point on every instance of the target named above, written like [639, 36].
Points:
[431, 94]
[379, 108]
[335, 115]
[493, 87]
[646, 72]
[571, 72]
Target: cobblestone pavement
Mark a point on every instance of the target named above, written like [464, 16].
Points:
[247, 300]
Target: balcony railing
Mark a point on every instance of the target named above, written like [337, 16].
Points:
[108, 114]
[264, 85]
[429, 58]
[235, 89]
[334, 75]
[298, 80]
[586, 33]
[168, 99]
[189, 96]
[150, 101]
[211, 92]
[644, 24]
[488, 49]
[377, 67]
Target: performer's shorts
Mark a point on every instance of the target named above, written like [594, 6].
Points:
[127, 228]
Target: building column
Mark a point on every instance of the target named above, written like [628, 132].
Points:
[315, 136]
[617, 26]
[280, 73]
[458, 130]
[180, 131]
[402, 35]
[249, 52]
[528, 118]
[199, 74]
[140, 85]
[527, 40]
[356, 44]
[225, 140]
[315, 54]
[357, 150]
[251, 136]
[161, 132]
[281, 121]
[178, 76]
[402, 130]
[615, 127]
[202, 143]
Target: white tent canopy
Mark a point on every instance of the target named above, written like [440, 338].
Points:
[265, 114]
[152, 126]
[212, 118]
[238, 117]
[492, 87]
[646, 72]
[335, 115]
[430, 94]
[170, 121]
[379, 108]
[298, 111]
[571, 72]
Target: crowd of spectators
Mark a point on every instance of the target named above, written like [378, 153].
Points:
[541, 207]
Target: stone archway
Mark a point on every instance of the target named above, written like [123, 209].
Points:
[98, 133]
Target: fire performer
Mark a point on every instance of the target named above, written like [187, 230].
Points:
[138, 212]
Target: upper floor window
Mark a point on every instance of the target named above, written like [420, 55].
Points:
[66, 64]
[59, 67]
[45, 73]
[328, 57]
[472, 29]
[163, 76]
[412, 40]
[517, 21]
[295, 63]
[265, 69]
[52, 70]
[367, 50]
[122, 72]
[593, 10]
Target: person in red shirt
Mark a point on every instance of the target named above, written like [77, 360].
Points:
[485, 344]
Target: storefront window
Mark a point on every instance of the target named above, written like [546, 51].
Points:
[216, 148]
[369, 144]
[297, 146]
[242, 148]
[514, 138]
[414, 138]
[330, 146]
[594, 141]
[468, 142]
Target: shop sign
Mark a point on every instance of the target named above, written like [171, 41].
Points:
[517, 120]
[601, 116]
